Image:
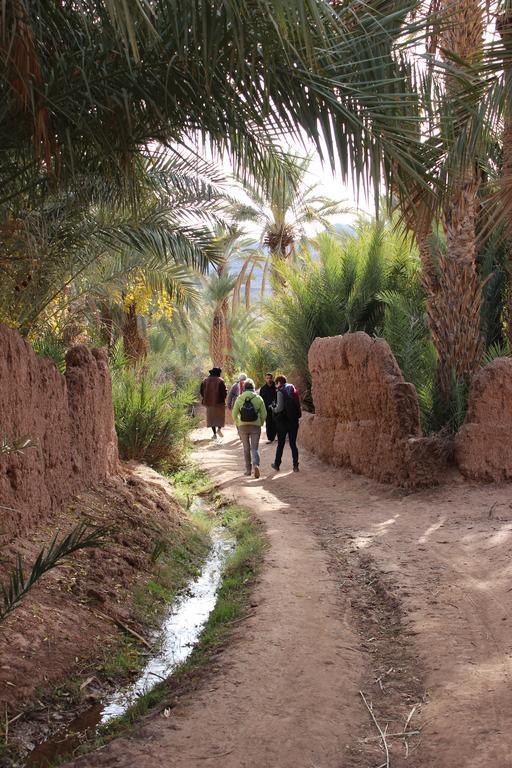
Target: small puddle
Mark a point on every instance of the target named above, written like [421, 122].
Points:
[174, 640]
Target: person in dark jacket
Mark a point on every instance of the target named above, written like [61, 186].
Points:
[269, 394]
[213, 396]
[287, 413]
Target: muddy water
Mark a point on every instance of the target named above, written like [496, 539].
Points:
[174, 641]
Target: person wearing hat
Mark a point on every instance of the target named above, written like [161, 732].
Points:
[236, 390]
[213, 396]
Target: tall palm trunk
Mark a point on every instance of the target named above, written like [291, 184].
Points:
[454, 309]
[221, 340]
[134, 345]
[504, 25]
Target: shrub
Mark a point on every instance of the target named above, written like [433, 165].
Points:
[342, 288]
[153, 421]
[260, 358]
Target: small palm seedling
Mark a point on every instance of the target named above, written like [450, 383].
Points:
[81, 537]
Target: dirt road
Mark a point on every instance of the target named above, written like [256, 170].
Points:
[404, 597]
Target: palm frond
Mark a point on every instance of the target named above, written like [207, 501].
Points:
[19, 584]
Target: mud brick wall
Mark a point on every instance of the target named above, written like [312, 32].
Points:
[69, 417]
[483, 445]
[366, 415]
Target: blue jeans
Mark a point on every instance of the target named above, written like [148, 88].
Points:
[291, 430]
[250, 437]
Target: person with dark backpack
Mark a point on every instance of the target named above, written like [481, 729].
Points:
[287, 412]
[249, 414]
[269, 394]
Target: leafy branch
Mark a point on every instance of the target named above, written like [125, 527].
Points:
[81, 537]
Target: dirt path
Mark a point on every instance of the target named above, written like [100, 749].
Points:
[405, 597]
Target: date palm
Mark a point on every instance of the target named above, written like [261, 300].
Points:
[91, 246]
[504, 26]
[281, 206]
[455, 308]
[222, 293]
[89, 83]
[452, 154]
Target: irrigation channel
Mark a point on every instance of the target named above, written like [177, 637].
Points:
[174, 641]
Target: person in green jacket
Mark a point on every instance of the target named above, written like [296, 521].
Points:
[249, 414]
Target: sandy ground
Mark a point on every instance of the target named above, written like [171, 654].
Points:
[405, 597]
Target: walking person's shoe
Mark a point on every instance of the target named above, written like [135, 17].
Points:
[256, 472]
[295, 467]
[213, 437]
[220, 433]
[275, 466]
[248, 472]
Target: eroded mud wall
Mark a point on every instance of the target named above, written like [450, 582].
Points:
[366, 415]
[70, 419]
[483, 446]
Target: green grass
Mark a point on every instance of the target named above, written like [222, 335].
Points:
[189, 482]
[7, 754]
[123, 660]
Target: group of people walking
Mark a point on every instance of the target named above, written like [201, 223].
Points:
[277, 406]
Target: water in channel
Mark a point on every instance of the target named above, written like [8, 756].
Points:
[174, 640]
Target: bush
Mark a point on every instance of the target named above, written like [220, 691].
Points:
[153, 421]
[345, 286]
[260, 358]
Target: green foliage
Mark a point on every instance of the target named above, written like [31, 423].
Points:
[189, 482]
[346, 286]
[493, 261]
[153, 420]
[238, 578]
[496, 350]
[124, 661]
[260, 358]
[269, 68]
[175, 564]
[49, 345]
[406, 330]
[19, 584]
[448, 413]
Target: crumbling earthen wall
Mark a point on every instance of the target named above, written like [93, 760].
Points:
[366, 415]
[69, 418]
[483, 446]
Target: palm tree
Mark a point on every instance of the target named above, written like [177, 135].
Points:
[85, 85]
[455, 309]
[452, 153]
[281, 205]
[504, 27]
[222, 292]
[90, 245]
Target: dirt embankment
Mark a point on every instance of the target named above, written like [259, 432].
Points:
[64, 626]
